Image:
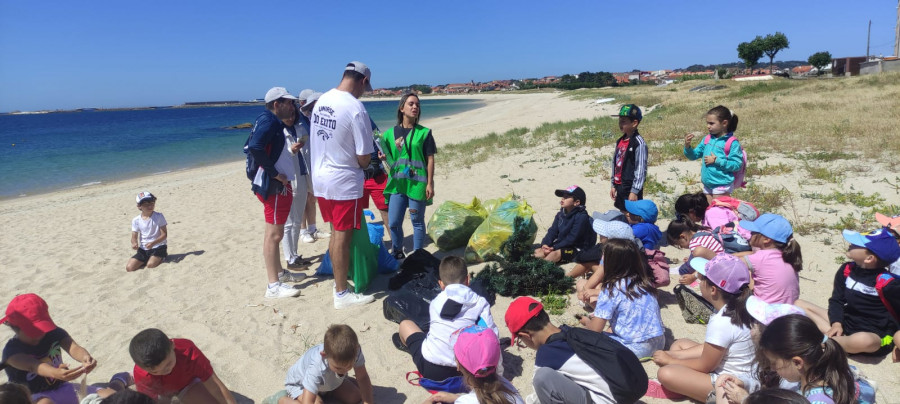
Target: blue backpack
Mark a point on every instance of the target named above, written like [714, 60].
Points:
[729, 238]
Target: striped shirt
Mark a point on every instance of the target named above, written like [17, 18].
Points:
[707, 241]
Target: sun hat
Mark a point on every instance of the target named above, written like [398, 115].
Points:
[644, 208]
[880, 242]
[724, 270]
[891, 222]
[518, 314]
[630, 110]
[613, 229]
[142, 196]
[770, 225]
[767, 312]
[310, 100]
[612, 215]
[275, 93]
[574, 191]
[305, 94]
[361, 68]
[29, 313]
[477, 349]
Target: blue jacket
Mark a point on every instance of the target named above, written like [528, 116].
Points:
[648, 233]
[266, 143]
[721, 172]
[571, 230]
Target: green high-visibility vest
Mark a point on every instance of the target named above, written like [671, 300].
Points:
[409, 174]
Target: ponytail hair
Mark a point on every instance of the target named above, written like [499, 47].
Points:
[795, 335]
[488, 389]
[724, 114]
[678, 226]
[790, 253]
[692, 203]
[624, 260]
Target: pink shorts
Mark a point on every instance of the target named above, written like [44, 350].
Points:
[277, 207]
[343, 215]
[375, 187]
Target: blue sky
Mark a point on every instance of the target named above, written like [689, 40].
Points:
[64, 54]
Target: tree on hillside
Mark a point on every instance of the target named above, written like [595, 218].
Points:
[819, 60]
[772, 44]
[750, 52]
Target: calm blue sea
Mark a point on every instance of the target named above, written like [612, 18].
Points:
[46, 152]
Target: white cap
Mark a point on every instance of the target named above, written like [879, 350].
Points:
[278, 92]
[361, 68]
[305, 94]
[310, 100]
[144, 195]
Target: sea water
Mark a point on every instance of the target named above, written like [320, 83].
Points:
[46, 152]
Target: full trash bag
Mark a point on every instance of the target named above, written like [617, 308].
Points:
[411, 301]
[363, 259]
[453, 223]
[491, 204]
[497, 228]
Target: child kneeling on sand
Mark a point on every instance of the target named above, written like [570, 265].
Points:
[321, 372]
[457, 306]
[148, 234]
[571, 233]
[166, 368]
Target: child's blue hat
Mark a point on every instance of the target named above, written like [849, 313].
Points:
[879, 242]
[644, 208]
[770, 225]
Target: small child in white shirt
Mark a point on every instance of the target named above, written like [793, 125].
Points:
[148, 234]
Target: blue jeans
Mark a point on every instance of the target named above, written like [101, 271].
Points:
[396, 211]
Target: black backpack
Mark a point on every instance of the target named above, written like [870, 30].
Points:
[620, 367]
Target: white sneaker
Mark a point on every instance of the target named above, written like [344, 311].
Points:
[321, 234]
[307, 238]
[281, 290]
[352, 299]
[288, 276]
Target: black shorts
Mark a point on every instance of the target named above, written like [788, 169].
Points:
[426, 368]
[144, 255]
[569, 254]
[592, 254]
[622, 192]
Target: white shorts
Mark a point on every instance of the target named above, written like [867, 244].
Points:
[723, 190]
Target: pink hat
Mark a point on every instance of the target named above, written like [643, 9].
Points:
[891, 222]
[477, 350]
[767, 312]
[725, 271]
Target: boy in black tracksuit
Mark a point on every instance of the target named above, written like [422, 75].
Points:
[857, 318]
[571, 231]
[629, 164]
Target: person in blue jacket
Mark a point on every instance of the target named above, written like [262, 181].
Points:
[723, 156]
[571, 232]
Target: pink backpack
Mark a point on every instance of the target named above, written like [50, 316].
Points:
[741, 172]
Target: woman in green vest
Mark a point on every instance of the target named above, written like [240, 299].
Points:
[409, 152]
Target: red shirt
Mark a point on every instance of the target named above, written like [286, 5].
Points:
[190, 364]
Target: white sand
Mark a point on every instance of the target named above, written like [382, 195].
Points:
[70, 247]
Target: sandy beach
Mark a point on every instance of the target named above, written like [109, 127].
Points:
[71, 247]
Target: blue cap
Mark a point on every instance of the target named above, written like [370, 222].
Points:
[770, 225]
[879, 242]
[644, 208]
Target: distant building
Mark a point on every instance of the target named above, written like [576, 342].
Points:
[847, 66]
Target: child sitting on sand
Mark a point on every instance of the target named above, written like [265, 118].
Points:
[684, 233]
[148, 234]
[321, 373]
[571, 233]
[166, 368]
[33, 358]
[857, 317]
[777, 261]
[457, 306]
[641, 215]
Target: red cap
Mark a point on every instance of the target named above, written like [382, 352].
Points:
[28, 313]
[518, 314]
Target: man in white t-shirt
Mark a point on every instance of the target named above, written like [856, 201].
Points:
[340, 147]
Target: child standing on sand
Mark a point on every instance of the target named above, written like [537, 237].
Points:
[629, 160]
[721, 152]
[148, 234]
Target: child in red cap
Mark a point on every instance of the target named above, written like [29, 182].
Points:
[34, 356]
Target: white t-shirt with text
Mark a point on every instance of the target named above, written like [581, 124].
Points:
[340, 131]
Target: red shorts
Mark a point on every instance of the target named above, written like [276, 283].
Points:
[277, 207]
[375, 188]
[343, 215]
